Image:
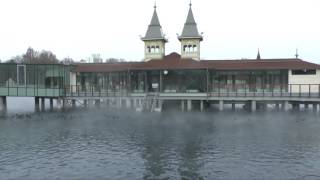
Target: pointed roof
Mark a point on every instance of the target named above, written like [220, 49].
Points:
[190, 29]
[154, 31]
[258, 56]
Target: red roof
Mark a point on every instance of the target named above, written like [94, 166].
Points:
[174, 61]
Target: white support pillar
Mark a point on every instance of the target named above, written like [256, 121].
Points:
[201, 105]
[253, 106]
[182, 105]
[128, 103]
[221, 105]
[286, 106]
[189, 105]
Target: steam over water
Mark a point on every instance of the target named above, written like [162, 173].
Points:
[100, 144]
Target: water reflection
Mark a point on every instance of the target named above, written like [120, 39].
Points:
[103, 144]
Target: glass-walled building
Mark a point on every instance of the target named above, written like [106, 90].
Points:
[45, 80]
[173, 74]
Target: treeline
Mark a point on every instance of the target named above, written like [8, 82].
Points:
[47, 57]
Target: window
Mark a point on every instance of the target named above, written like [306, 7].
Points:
[195, 48]
[304, 72]
[153, 49]
[185, 47]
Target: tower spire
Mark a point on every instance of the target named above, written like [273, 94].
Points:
[154, 39]
[190, 38]
[258, 56]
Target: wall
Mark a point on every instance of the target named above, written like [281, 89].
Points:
[305, 80]
[159, 55]
[194, 55]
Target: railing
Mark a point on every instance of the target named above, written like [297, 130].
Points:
[278, 90]
[94, 91]
[237, 90]
[30, 90]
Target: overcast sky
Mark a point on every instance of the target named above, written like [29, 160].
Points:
[233, 29]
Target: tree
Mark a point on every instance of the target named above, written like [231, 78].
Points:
[114, 60]
[96, 58]
[30, 56]
[15, 59]
[67, 60]
[47, 57]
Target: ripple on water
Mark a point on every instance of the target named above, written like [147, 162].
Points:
[100, 144]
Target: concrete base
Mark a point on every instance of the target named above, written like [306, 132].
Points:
[221, 105]
[253, 106]
[182, 105]
[201, 106]
[286, 106]
[128, 103]
[189, 105]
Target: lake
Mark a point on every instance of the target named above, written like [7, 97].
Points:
[106, 144]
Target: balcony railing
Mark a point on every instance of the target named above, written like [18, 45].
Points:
[236, 90]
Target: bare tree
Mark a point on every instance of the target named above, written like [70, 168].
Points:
[114, 60]
[96, 58]
[67, 60]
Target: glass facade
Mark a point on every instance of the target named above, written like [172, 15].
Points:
[185, 81]
[54, 79]
[251, 81]
[33, 79]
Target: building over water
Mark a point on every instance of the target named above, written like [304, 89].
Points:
[184, 77]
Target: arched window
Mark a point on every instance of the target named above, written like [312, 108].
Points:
[157, 49]
[195, 48]
[149, 49]
[152, 49]
[190, 48]
[185, 48]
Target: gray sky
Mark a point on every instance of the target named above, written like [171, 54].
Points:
[232, 29]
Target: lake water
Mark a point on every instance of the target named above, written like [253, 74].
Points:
[101, 144]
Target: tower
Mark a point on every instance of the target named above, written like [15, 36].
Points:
[190, 38]
[154, 39]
